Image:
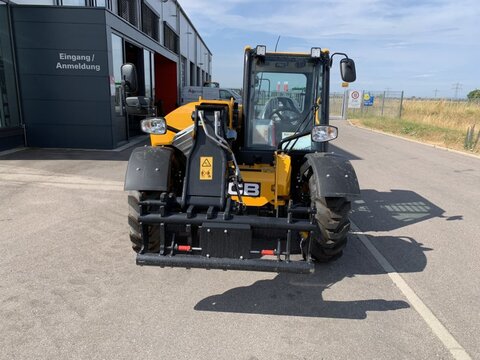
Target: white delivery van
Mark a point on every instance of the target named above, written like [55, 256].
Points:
[191, 94]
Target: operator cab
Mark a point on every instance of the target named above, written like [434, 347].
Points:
[286, 102]
[282, 89]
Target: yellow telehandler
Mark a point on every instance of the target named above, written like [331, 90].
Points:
[245, 187]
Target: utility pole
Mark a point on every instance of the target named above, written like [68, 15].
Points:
[435, 91]
[456, 87]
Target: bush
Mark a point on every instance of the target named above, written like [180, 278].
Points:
[474, 94]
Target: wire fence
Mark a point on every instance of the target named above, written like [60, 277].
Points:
[385, 103]
[371, 103]
[337, 104]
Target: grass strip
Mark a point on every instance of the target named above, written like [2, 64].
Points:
[427, 133]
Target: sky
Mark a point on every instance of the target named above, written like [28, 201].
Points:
[426, 48]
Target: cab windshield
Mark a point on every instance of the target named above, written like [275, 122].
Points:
[281, 100]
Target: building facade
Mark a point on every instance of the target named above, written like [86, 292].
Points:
[60, 82]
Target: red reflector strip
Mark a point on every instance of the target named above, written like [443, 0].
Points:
[184, 248]
[267, 252]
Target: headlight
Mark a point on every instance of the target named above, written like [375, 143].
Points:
[156, 126]
[324, 133]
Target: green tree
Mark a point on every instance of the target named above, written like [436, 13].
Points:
[474, 94]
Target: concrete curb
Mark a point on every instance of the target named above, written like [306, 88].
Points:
[11, 151]
[415, 141]
[134, 142]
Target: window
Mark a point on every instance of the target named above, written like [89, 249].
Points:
[225, 95]
[183, 72]
[279, 93]
[193, 74]
[9, 116]
[102, 3]
[127, 9]
[73, 2]
[149, 22]
[170, 40]
[99, 3]
[117, 57]
[148, 74]
[152, 70]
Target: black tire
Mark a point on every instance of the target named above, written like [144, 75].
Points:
[135, 229]
[333, 225]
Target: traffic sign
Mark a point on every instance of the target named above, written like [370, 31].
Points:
[354, 99]
[368, 99]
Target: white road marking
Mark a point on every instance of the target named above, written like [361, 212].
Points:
[457, 351]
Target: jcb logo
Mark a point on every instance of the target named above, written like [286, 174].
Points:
[245, 189]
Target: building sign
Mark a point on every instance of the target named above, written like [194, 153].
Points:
[354, 99]
[67, 61]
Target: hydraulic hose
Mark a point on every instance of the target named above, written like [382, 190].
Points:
[221, 142]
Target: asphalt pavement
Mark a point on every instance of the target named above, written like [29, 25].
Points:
[69, 286]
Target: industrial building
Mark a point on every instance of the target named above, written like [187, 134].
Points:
[60, 82]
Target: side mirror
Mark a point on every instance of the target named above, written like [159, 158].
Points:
[129, 77]
[347, 70]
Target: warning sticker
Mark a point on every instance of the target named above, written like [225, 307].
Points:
[206, 167]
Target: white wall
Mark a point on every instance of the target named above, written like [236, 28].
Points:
[170, 14]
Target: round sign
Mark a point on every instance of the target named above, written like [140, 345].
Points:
[366, 96]
[355, 94]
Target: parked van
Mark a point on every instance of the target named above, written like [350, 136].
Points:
[191, 94]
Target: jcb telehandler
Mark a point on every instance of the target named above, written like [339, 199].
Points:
[224, 186]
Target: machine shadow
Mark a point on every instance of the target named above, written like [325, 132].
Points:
[394, 209]
[341, 152]
[74, 154]
[301, 295]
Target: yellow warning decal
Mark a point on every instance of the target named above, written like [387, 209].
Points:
[206, 167]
